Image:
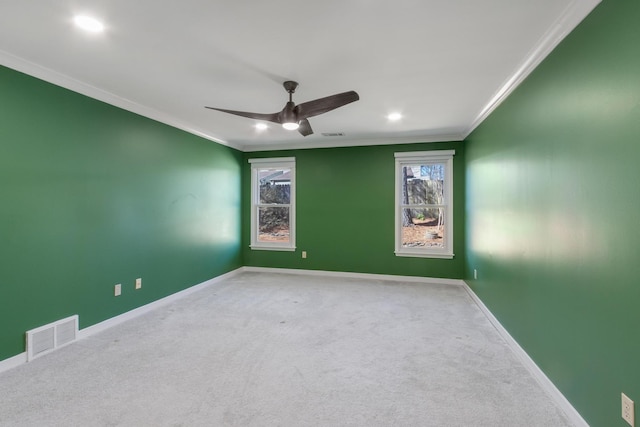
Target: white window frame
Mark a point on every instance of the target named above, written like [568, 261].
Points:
[279, 162]
[425, 157]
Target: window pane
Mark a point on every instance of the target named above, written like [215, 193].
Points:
[423, 184]
[275, 186]
[423, 228]
[273, 224]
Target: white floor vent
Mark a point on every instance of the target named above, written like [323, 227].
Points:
[47, 338]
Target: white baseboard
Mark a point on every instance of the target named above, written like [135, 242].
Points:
[537, 373]
[109, 323]
[528, 363]
[348, 275]
[546, 384]
[13, 362]
[21, 358]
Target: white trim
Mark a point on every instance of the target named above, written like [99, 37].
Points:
[257, 247]
[573, 14]
[425, 255]
[540, 377]
[273, 160]
[356, 142]
[513, 345]
[24, 66]
[20, 359]
[109, 323]
[272, 163]
[349, 275]
[429, 155]
[64, 81]
[13, 362]
[411, 158]
[537, 373]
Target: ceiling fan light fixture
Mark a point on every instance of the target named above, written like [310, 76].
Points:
[290, 125]
[295, 117]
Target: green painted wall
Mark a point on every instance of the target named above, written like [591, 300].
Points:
[345, 213]
[553, 213]
[91, 196]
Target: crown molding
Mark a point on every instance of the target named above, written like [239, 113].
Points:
[54, 77]
[573, 14]
[356, 142]
[64, 81]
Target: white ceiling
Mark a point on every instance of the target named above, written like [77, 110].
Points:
[444, 64]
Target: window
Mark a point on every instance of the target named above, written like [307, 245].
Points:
[424, 204]
[273, 210]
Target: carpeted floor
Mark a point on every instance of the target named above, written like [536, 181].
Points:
[287, 350]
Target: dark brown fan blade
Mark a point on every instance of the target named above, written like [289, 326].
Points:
[305, 127]
[322, 105]
[275, 117]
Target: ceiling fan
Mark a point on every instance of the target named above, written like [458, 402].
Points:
[293, 116]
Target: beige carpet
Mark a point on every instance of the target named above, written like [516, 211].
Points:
[287, 350]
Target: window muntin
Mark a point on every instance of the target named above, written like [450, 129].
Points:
[273, 204]
[424, 204]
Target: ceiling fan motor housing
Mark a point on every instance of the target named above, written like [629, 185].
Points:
[290, 86]
[295, 117]
[288, 115]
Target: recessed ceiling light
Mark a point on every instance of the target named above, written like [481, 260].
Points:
[88, 23]
[394, 117]
[261, 126]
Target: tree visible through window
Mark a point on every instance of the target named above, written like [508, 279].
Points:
[274, 205]
[273, 208]
[424, 220]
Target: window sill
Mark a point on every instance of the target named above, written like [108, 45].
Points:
[425, 255]
[272, 248]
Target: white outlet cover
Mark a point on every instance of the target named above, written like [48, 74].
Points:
[117, 290]
[138, 283]
[628, 410]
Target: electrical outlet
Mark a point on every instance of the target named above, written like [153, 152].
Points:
[475, 273]
[628, 410]
[117, 290]
[138, 283]
[304, 254]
